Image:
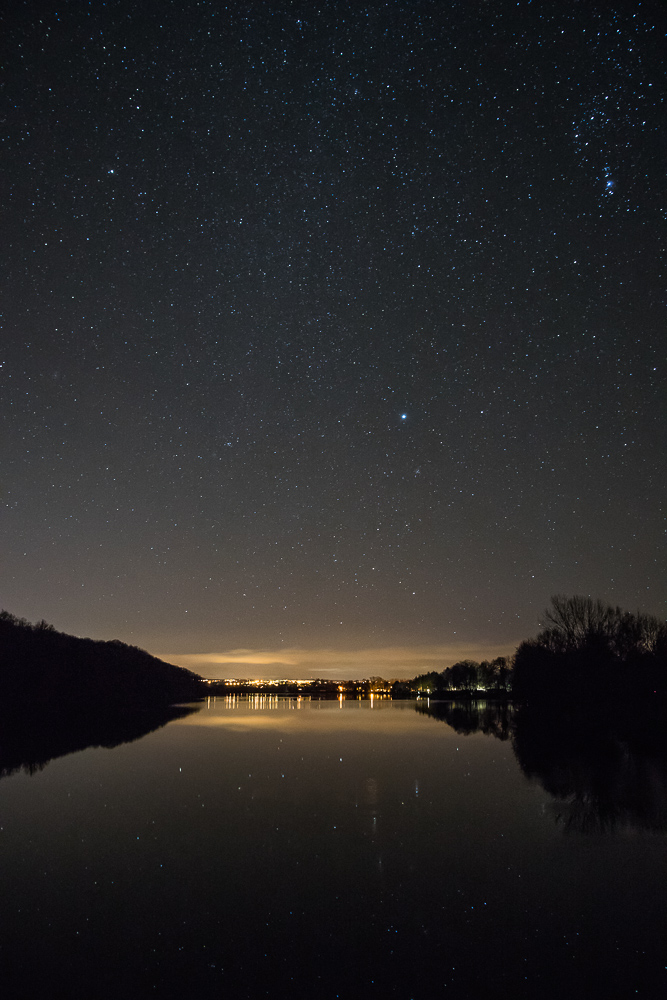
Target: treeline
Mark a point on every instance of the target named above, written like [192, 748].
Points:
[42, 669]
[590, 649]
[468, 677]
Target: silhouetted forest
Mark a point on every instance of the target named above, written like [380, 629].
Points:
[42, 669]
[60, 693]
[490, 678]
[590, 649]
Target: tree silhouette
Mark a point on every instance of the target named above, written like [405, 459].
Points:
[590, 648]
[41, 667]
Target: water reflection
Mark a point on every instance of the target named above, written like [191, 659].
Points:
[254, 702]
[308, 851]
[606, 769]
[29, 741]
[268, 711]
[465, 717]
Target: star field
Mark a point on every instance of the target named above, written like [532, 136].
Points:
[331, 324]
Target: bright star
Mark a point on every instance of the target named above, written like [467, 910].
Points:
[404, 416]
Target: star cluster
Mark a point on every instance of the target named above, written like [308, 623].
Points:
[335, 322]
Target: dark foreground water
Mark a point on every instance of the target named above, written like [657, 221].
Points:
[317, 850]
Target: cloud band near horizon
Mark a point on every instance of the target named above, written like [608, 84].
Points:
[386, 661]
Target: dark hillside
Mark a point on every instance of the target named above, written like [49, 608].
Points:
[42, 670]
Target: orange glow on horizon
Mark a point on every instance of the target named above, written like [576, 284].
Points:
[350, 664]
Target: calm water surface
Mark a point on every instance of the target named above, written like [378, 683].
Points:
[317, 850]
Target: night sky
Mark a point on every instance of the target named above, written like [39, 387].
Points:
[331, 327]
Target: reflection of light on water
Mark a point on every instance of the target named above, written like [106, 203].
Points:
[260, 711]
[371, 797]
[261, 702]
[272, 702]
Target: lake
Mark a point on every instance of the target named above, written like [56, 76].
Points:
[271, 847]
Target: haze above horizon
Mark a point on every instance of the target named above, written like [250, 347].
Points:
[331, 334]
